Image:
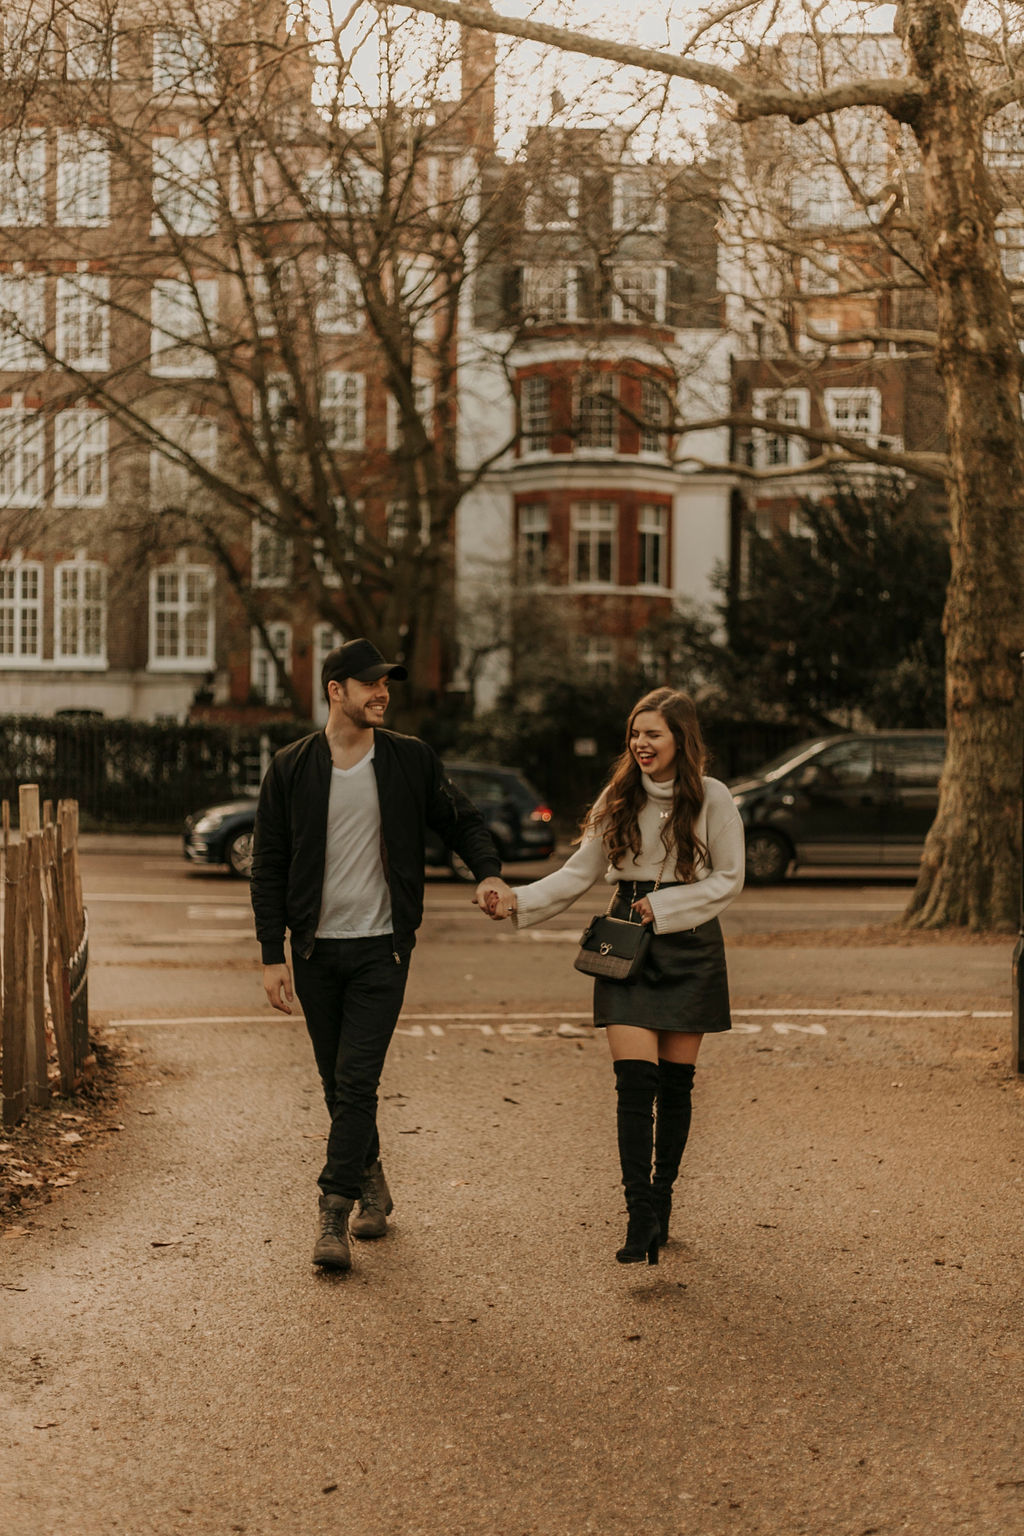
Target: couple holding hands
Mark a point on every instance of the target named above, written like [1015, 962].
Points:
[338, 864]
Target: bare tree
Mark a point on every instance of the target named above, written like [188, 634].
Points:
[266, 228]
[954, 79]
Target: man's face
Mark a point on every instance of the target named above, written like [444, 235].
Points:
[364, 703]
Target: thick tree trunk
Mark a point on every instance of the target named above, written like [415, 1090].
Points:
[970, 875]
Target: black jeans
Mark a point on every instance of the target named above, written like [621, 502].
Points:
[351, 992]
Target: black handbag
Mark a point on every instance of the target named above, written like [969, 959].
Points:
[614, 947]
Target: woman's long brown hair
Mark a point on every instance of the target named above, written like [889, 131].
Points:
[617, 813]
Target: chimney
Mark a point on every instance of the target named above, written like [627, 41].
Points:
[478, 53]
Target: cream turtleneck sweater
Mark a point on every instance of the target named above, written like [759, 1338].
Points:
[717, 882]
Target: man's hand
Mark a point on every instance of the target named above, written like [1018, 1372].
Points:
[277, 984]
[497, 899]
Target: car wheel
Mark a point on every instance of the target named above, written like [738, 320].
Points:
[768, 857]
[240, 855]
[461, 870]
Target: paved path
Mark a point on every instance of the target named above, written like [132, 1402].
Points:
[832, 1345]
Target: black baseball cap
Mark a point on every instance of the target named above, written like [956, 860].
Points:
[359, 659]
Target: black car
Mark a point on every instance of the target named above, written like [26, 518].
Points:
[862, 798]
[517, 818]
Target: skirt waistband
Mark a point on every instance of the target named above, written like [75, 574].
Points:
[644, 887]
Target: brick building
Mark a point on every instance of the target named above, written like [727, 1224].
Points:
[594, 333]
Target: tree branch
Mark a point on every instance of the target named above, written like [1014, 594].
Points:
[900, 98]
[929, 466]
[1000, 96]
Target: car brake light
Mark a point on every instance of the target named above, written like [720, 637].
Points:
[541, 814]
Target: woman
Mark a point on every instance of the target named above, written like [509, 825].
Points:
[671, 840]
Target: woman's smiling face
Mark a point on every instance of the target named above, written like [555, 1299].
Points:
[653, 745]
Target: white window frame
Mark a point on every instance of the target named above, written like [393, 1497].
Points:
[271, 558]
[652, 529]
[83, 180]
[603, 414]
[186, 189]
[263, 676]
[326, 638]
[23, 38]
[536, 421]
[423, 393]
[175, 351]
[90, 50]
[593, 526]
[193, 582]
[183, 60]
[819, 274]
[21, 611]
[83, 320]
[22, 454]
[81, 444]
[84, 609]
[22, 178]
[597, 656]
[868, 403]
[1010, 239]
[633, 282]
[624, 202]
[339, 306]
[343, 410]
[773, 450]
[399, 520]
[534, 541]
[172, 483]
[550, 293]
[821, 199]
[554, 203]
[22, 319]
[249, 195]
[655, 423]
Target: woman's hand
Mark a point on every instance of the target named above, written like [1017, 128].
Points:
[645, 909]
[500, 906]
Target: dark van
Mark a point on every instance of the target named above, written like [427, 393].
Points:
[864, 798]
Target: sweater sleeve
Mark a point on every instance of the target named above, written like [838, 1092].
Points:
[687, 906]
[545, 898]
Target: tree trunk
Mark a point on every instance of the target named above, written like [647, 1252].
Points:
[970, 874]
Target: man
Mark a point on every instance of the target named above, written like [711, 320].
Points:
[338, 860]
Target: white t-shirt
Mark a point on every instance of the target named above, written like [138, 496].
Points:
[355, 902]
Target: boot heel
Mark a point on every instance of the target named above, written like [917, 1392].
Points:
[652, 1252]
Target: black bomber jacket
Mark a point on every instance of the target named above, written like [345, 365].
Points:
[290, 841]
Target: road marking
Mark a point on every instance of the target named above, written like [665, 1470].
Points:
[534, 1023]
[133, 899]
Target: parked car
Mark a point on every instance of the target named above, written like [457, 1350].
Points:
[518, 819]
[860, 798]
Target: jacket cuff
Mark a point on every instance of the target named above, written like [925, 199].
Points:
[273, 953]
[487, 869]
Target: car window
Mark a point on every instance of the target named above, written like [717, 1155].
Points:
[483, 789]
[917, 760]
[848, 762]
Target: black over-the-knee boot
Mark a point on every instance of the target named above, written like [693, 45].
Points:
[636, 1084]
[675, 1086]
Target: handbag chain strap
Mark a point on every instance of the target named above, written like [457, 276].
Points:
[615, 892]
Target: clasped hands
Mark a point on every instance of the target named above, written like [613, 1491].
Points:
[499, 901]
[495, 898]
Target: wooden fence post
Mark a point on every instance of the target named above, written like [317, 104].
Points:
[57, 957]
[76, 927]
[13, 1037]
[28, 808]
[37, 1083]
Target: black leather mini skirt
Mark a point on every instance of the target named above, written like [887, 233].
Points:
[683, 985]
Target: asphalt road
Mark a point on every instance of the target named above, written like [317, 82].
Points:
[830, 1346]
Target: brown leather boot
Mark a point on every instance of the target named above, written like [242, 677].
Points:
[332, 1250]
[375, 1204]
